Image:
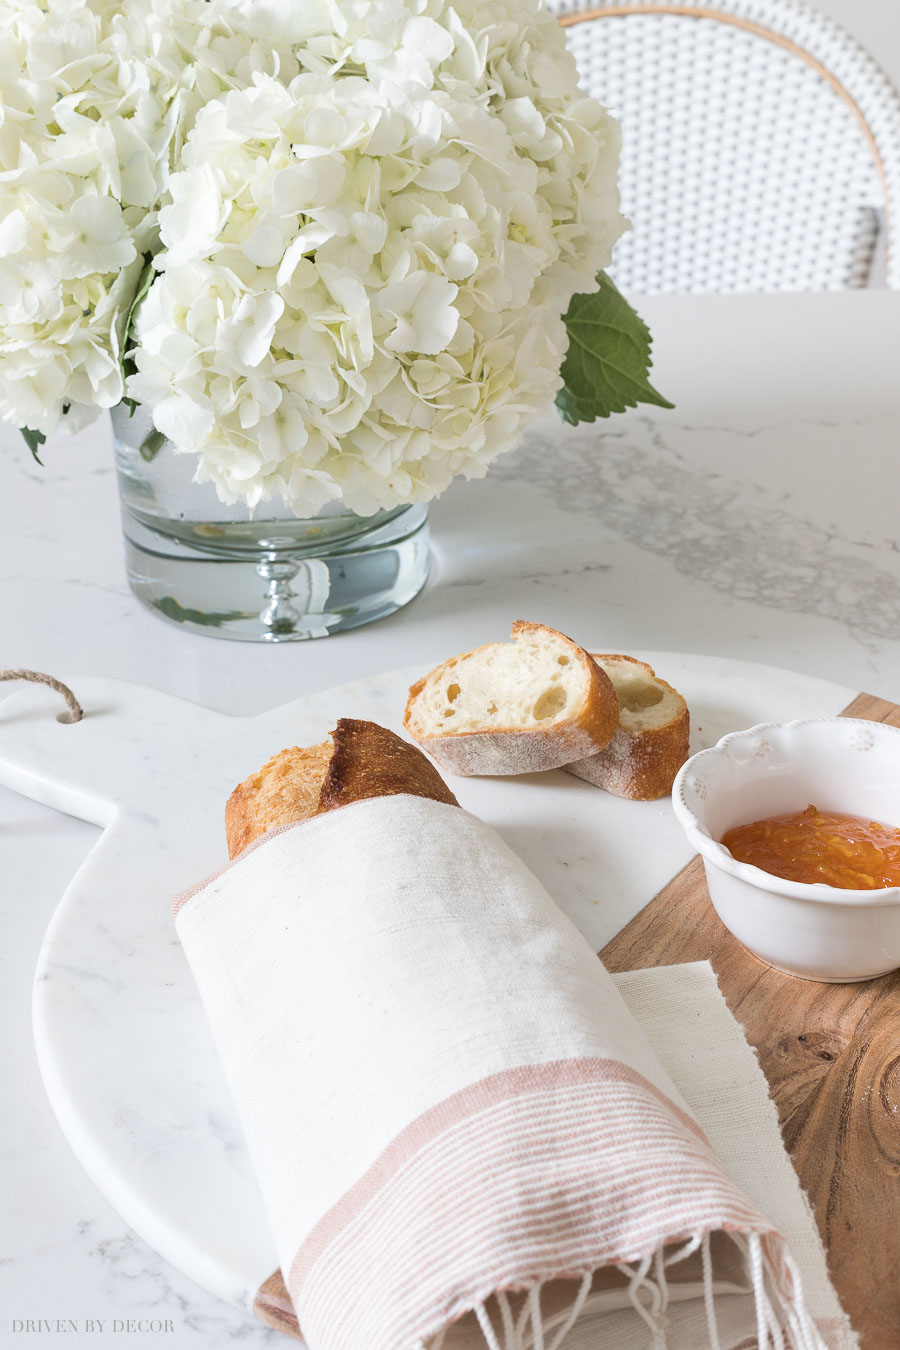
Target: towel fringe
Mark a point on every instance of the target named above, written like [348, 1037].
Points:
[509, 1326]
[709, 1298]
[799, 1318]
[782, 1319]
[653, 1310]
[574, 1311]
[768, 1331]
[522, 1325]
[537, 1324]
[487, 1327]
[684, 1251]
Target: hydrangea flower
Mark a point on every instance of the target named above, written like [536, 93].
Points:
[368, 219]
[365, 266]
[95, 99]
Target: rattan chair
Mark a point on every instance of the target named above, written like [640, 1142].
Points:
[761, 144]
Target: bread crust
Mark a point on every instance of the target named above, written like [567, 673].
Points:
[361, 759]
[284, 790]
[640, 765]
[370, 761]
[514, 750]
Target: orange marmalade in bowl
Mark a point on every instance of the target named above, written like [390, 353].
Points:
[840, 850]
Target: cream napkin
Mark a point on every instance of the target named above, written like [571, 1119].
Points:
[456, 1121]
[688, 1023]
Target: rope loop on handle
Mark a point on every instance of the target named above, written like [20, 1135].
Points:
[75, 713]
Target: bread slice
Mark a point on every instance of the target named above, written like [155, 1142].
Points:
[651, 741]
[361, 759]
[536, 703]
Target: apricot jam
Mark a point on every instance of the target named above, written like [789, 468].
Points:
[841, 850]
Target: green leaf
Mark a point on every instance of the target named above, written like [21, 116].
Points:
[33, 439]
[606, 365]
[144, 282]
[151, 445]
[169, 606]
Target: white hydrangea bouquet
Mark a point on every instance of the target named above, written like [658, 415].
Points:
[341, 249]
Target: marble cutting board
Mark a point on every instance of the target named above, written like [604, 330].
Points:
[122, 1042]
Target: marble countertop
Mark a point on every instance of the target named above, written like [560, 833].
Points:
[758, 520]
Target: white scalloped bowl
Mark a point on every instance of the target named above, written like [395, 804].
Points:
[816, 931]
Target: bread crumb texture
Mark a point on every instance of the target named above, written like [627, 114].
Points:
[652, 740]
[534, 681]
[514, 707]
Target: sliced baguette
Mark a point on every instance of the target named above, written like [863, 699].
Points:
[651, 741]
[506, 708]
[361, 759]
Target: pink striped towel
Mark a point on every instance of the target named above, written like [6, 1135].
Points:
[457, 1125]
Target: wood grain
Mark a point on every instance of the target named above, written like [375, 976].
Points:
[831, 1055]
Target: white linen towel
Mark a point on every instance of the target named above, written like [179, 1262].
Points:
[453, 1115]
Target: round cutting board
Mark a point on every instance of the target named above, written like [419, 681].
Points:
[122, 1042]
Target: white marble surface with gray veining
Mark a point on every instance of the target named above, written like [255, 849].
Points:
[758, 520]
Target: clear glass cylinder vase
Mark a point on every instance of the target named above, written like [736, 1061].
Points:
[261, 577]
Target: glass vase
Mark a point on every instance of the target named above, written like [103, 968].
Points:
[265, 577]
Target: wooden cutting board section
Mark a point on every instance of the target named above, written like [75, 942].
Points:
[831, 1054]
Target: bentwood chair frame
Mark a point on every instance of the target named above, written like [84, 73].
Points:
[761, 144]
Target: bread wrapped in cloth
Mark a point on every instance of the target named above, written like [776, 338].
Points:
[456, 1124]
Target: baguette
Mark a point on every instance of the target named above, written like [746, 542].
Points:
[536, 703]
[359, 760]
[651, 741]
